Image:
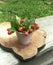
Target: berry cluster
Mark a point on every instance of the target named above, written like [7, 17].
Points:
[25, 28]
[9, 31]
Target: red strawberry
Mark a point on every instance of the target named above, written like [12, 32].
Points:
[37, 27]
[30, 30]
[20, 29]
[26, 33]
[8, 29]
[9, 32]
[22, 21]
[24, 27]
[33, 26]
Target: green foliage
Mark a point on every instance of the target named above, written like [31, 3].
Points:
[25, 8]
[16, 23]
[28, 9]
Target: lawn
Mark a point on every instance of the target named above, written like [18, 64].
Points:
[25, 8]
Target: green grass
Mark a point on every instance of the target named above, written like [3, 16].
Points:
[25, 8]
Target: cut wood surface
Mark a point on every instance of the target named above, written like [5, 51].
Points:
[37, 40]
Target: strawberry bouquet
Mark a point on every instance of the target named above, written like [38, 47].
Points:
[25, 26]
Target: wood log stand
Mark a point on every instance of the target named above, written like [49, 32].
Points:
[37, 40]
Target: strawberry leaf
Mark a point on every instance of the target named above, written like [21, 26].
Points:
[18, 19]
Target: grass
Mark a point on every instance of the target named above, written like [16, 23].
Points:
[25, 8]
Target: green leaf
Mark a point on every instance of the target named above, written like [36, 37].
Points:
[13, 29]
[18, 19]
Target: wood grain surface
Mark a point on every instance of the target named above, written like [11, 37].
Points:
[37, 40]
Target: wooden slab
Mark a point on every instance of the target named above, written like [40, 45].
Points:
[37, 40]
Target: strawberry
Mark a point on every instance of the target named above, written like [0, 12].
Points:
[22, 21]
[8, 29]
[24, 27]
[26, 33]
[20, 29]
[9, 32]
[33, 26]
[37, 27]
[30, 30]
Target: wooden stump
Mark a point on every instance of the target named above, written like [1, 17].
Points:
[37, 40]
